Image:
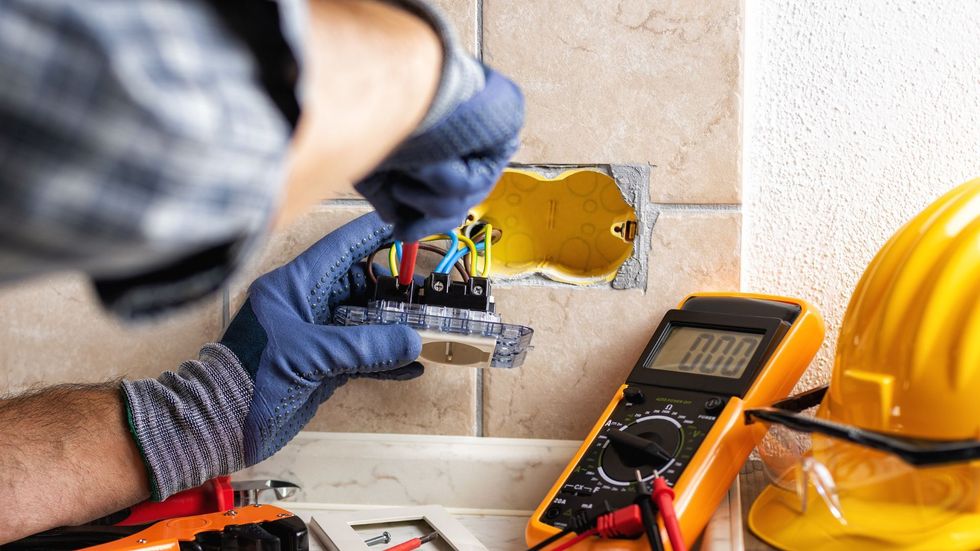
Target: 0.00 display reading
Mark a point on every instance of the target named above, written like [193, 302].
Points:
[706, 351]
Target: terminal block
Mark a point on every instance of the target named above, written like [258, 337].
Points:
[439, 290]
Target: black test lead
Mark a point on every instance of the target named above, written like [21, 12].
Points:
[649, 512]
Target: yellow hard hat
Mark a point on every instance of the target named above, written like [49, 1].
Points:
[908, 355]
[894, 457]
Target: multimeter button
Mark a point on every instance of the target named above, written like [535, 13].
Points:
[714, 405]
[552, 512]
[634, 395]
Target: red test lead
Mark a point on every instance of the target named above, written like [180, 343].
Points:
[663, 496]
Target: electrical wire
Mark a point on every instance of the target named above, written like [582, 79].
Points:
[650, 525]
[487, 234]
[395, 253]
[407, 262]
[470, 246]
[393, 260]
[663, 496]
[444, 264]
[464, 251]
[551, 539]
[581, 537]
[472, 249]
[451, 236]
[458, 266]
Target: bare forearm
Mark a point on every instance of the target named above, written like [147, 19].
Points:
[66, 457]
[372, 70]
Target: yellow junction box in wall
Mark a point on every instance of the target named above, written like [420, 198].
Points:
[574, 228]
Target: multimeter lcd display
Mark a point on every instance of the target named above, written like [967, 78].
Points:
[703, 351]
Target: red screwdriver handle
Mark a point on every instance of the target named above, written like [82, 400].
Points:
[406, 270]
[413, 543]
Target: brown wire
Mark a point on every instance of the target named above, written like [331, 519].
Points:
[423, 246]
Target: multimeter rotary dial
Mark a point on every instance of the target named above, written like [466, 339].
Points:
[656, 441]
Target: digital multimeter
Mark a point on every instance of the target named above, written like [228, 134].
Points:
[708, 361]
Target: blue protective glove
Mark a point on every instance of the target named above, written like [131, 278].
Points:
[428, 184]
[277, 362]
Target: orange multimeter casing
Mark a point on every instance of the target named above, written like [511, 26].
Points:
[709, 360]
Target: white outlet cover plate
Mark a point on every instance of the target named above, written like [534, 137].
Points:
[335, 531]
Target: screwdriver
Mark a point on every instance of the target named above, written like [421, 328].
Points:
[414, 543]
[406, 270]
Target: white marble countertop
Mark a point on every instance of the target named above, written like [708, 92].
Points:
[498, 532]
[491, 485]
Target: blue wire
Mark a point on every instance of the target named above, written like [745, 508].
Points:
[465, 250]
[398, 250]
[444, 264]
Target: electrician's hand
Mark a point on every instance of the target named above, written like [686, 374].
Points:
[278, 361]
[428, 184]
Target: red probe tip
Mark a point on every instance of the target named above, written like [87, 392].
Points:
[660, 487]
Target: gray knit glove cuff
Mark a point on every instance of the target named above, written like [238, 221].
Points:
[189, 423]
[461, 77]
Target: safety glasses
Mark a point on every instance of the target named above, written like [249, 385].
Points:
[870, 482]
[788, 413]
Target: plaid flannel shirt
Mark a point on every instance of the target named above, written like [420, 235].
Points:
[141, 141]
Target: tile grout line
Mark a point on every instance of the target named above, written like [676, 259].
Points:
[479, 30]
[479, 372]
[344, 202]
[361, 203]
[697, 207]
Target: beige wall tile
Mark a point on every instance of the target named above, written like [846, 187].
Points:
[54, 331]
[462, 14]
[284, 245]
[628, 81]
[442, 401]
[587, 340]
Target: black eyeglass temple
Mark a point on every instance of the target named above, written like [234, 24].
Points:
[914, 452]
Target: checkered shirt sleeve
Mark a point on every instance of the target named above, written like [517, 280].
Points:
[132, 132]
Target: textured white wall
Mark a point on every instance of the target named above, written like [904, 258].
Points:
[857, 115]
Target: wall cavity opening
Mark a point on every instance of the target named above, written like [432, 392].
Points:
[580, 225]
